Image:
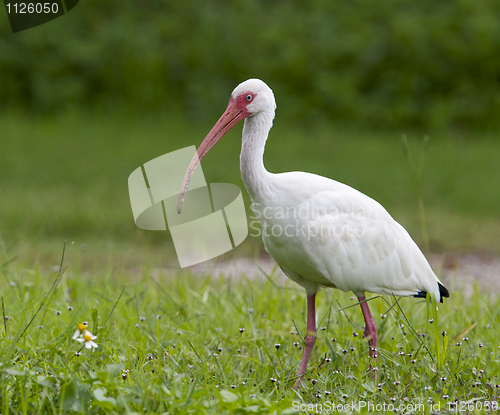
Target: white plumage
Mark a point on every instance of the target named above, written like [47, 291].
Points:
[332, 235]
[322, 233]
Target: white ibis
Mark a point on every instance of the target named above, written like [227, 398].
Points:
[322, 233]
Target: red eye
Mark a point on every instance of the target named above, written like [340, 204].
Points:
[249, 97]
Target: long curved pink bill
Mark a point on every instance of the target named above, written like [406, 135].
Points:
[228, 120]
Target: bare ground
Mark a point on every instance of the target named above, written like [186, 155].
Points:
[456, 271]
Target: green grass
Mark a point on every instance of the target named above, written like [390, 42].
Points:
[170, 342]
[65, 178]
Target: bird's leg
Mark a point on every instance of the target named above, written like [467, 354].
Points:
[370, 326]
[309, 339]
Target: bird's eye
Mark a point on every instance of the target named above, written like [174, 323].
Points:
[248, 97]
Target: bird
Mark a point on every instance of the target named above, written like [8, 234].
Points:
[321, 233]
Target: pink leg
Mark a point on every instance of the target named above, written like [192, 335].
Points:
[370, 327]
[309, 339]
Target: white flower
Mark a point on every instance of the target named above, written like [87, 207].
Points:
[80, 331]
[88, 339]
[82, 335]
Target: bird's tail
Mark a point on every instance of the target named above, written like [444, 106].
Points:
[443, 292]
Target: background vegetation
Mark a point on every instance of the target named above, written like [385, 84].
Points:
[399, 63]
[88, 97]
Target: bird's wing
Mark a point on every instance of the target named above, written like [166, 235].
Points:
[345, 239]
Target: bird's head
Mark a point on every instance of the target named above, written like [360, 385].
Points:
[252, 97]
[248, 99]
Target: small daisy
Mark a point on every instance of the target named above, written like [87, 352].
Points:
[89, 340]
[81, 330]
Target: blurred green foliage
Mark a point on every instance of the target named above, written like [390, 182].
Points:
[65, 177]
[423, 64]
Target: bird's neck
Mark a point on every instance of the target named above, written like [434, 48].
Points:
[254, 174]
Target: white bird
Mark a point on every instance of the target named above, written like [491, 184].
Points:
[322, 233]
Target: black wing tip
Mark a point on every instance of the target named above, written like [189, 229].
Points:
[421, 294]
[443, 292]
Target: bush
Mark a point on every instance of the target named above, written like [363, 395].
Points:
[402, 63]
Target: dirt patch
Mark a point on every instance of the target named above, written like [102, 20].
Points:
[455, 271]
[464, 271]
